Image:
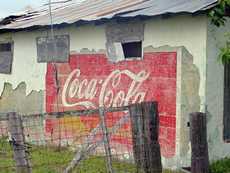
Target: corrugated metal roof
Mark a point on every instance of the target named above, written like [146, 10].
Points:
[90, 10]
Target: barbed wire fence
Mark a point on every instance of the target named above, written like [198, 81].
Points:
[109, 140]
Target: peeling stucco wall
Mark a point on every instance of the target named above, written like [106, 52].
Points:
[16, 100]
[187, 31]
[181, 31]
[23, 90]
[184, 30]
[215, 92]
[188, 100]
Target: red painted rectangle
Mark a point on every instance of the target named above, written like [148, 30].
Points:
[90, 81]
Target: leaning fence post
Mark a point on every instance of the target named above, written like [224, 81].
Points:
[145, 129]
[18, 143]
[199, 144]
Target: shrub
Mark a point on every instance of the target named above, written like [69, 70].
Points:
[221, 166]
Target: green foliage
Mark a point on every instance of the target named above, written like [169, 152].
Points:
[44, 159]
[224, 55]
[218, 18]
[52, 160]
[217, 14]
[221, 166]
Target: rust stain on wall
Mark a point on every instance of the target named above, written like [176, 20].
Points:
[16, 100]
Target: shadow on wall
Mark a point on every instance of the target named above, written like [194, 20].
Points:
[16, 100]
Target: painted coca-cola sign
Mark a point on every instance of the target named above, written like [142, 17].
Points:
[103, 90]
[90, 81]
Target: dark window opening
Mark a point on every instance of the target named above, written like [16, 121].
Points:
[6, 57]
[5, 47]
[227, 12]
[132, 49]
[227, 103]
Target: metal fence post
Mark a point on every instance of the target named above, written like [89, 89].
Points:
[18, 143]
[199, 144]
[106, 141]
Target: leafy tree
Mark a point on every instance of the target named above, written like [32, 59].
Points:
[218, 18]
[217, 14]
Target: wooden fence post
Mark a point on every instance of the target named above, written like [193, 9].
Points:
[151, 124]
[136, 117]
[145, 129]
[199, 144]
[18, 143]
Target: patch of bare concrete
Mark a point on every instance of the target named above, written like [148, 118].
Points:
[16, 100]
[190, 99]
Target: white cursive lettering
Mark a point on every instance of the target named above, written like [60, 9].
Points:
[87, 90]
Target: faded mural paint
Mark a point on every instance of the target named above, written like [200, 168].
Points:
[165, 74]
[192, 34]
[89, 81]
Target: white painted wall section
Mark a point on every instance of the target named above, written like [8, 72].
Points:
[186, 31]
[215, 92]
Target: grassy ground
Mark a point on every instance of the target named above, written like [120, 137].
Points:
[221, 166]
[52, 160]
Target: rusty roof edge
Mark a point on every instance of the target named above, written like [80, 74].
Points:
[96, 22]
[210, 6]
[126, 14]
[204, 7]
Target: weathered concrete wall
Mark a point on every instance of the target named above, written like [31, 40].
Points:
[188, 100]
[16, 100]
[89, 81]
[187, 31]
[190, 32]
[215, 92]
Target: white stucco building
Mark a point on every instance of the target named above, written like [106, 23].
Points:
[181, 27]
